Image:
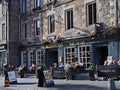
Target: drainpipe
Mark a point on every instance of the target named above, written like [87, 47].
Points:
[116, 13]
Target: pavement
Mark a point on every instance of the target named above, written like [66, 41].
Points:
[30, 83]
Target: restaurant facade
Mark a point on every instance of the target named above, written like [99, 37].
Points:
[58, 31]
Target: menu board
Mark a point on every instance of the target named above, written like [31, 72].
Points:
[12, 77]
[48, 78]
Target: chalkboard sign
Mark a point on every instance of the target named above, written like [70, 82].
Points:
[58, 72]
[12, 77]
[48, 78]
[108, 71]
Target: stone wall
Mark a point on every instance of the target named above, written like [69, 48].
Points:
[13, 42]
[105, 15]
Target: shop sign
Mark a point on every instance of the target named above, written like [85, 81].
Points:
[52, 46]
[2, 47]
[108, 71]
[76, 43]
[30, 49]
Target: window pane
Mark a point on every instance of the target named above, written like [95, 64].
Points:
[84, 55]
[69, 54]
[23, 6]
[3, 31]
[37, 3]
[37, 27]
[51, 24]
[69, 19]
[94, 12]
[91, 13]
[24, 31]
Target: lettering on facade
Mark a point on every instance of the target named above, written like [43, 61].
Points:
[52, 46]
[30, 49]
[76, 43]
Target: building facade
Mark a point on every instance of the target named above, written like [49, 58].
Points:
[9, 33]
[3, 37]
[69, 30]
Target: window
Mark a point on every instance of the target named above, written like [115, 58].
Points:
[69, 19]
[1, 61]
[23, 6]
[24, 58]
[39, 56]
[3, 32]
[91, 13]
[84, 55]
[3, 10]
[69, 54]
[51, 24]
[24, 31]
[32, 58]
[49, 1]
[37, 3]
[37, 27]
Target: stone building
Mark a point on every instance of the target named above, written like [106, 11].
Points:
[69, 30]
[9, 32]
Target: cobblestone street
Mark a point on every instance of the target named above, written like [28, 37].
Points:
[31, 84]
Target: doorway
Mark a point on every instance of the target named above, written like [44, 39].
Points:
[51, 56]
[102, 54]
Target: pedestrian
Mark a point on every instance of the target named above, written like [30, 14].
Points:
[66, 68]
[6, 75]
[40, 76]
[33, 69]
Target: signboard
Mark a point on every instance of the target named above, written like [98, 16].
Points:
[58, 72]
[48, 78]
[12, 77]
[108, 71]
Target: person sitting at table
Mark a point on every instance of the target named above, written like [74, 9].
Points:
[54, 64]
[113, 62]
[105, 62]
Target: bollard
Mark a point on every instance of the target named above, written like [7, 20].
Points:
[111, 85]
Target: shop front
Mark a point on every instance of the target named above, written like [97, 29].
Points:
[86, 50]
[3, 57]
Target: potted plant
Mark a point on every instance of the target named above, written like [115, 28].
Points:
[91, 69]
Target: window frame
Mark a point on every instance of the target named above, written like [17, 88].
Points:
[37, 3]
[91, 19]
[51, 24]
[23, 61]
[70, 22]
[37, 27]
[69, 54]
[39, 57]
[3, 31]
[32, 59]
[84, 55]
[24, 31]
[24, 6]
